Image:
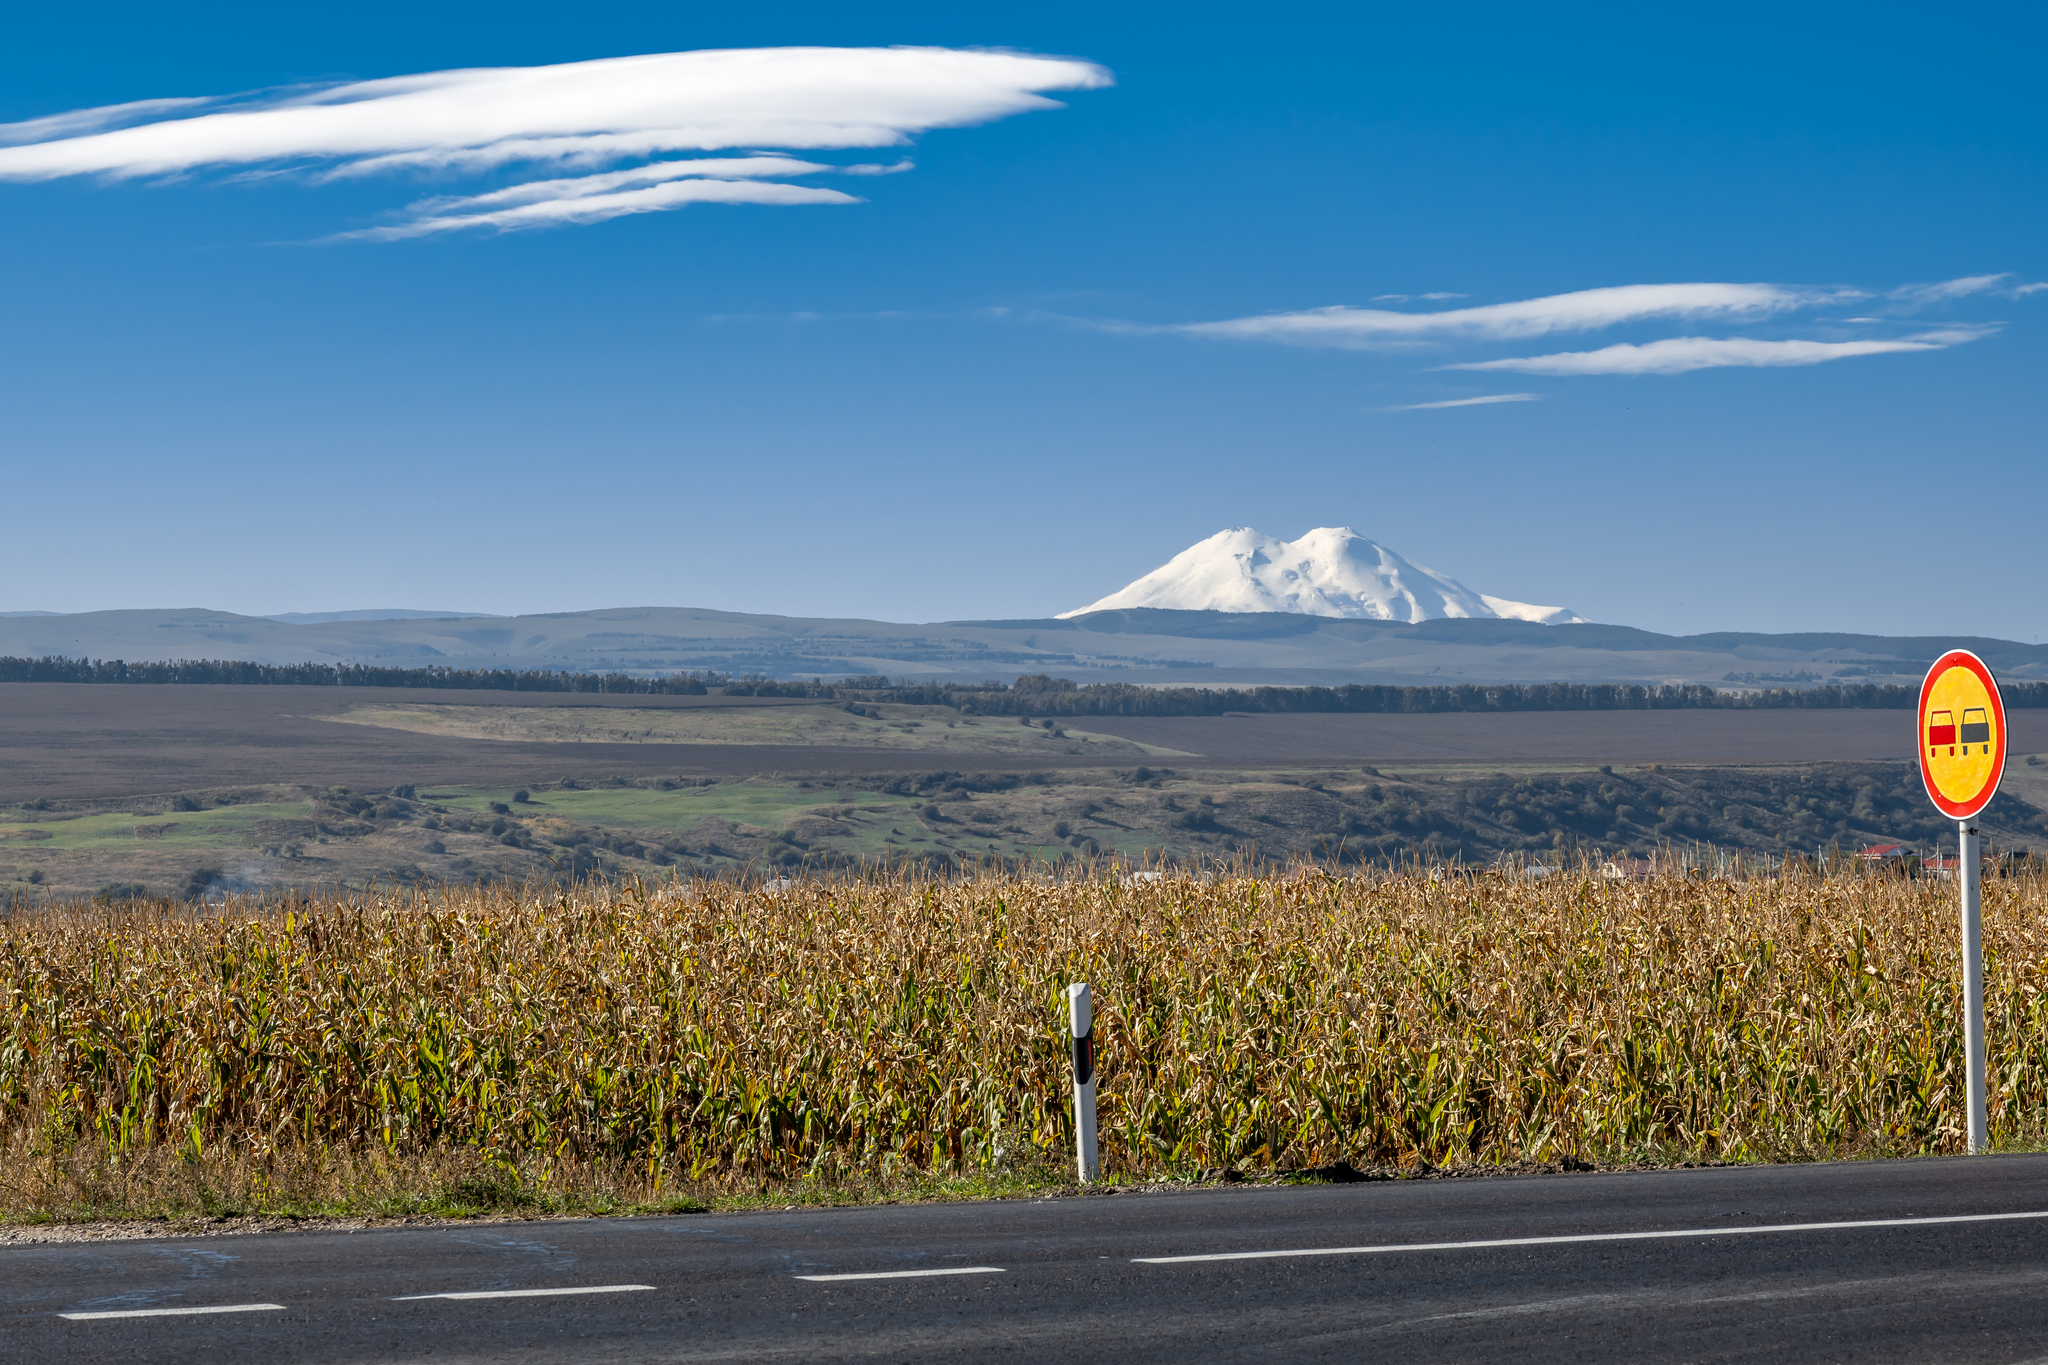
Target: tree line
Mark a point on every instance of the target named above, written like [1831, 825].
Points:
[1034, 695]
[1038, 695]
[235, 671]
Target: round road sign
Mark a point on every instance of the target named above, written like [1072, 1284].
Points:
[1962, 734]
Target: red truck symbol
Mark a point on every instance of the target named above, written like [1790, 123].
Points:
[1941, 729]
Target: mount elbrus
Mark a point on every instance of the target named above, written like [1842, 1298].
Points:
[1331, 571]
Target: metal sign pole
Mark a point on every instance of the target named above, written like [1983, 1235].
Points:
[1968, 876]
[1081, 1019]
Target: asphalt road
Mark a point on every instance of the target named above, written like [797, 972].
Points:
[1540, 1269]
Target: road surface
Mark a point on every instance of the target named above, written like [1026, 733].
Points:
[1903, 1260]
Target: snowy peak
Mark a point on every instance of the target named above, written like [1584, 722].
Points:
[1331, 571]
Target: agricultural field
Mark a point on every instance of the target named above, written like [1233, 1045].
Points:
[614, 1046]
[62, 741]
[206, 845]
[207, 791]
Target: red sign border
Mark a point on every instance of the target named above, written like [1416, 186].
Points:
[1959, 810]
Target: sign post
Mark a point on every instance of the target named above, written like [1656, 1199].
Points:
[1962, 757]
[1081, 1024]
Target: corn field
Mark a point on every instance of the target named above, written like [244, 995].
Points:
[835, 1029]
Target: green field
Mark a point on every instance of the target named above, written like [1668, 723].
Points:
[221, 827]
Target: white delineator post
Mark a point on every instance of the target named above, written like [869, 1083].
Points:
[1969, 877]
[1081, 1019]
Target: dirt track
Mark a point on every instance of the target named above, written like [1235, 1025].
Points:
[64, 740]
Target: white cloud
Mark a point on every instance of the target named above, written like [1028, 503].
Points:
[91, 120]
[612, 194]
[595, 208]
[1948, 290]
[1785, 308]
[1583, 310]
[579, 115]
[1468, 402]
[1677, 355]
[719, 168]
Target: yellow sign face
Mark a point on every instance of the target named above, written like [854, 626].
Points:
[1962, 734]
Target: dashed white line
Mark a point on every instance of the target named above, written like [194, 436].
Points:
[1590, 1237]
[527, 1293]
[175, 1312]
[910, 1274]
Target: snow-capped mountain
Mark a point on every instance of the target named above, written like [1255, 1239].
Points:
[1331, 571]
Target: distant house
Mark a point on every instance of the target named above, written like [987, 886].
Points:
[2005, 863]
[1890, 854]
[1626, 869]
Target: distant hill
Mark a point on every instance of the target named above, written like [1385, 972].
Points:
[315, 618]
[1139, 645]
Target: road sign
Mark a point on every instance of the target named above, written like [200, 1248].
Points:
[1962, 735]
[1962, 757]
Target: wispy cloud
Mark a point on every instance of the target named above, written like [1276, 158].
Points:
[611, 194]
[583, 116]
[83, 121]
[1467, 402]
[1584, 310]
[595, 208]
[1677, 355]
[1774, 309]
[1918, 295]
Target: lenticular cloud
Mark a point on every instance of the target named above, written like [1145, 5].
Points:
[585, 117]
[1640, 305]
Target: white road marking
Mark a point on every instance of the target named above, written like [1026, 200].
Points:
[175, 1312]
[910, 1274]
[526, 1293]
[1590, 1237]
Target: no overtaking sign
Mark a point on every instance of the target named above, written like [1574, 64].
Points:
[1961, 743]
[1962, 734]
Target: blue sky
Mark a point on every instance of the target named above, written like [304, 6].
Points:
[1066, 342]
